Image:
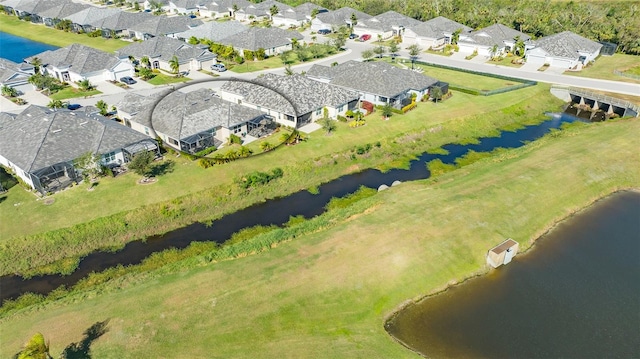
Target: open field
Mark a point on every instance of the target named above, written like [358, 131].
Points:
[326, 295]
[118, 210]
[41, 33]
[605, 65]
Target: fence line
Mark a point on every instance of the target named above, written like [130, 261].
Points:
[631, 76]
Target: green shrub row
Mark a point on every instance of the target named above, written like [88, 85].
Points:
[257, 178]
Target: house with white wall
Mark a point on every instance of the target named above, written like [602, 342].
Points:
[272, 39]
[334, 19]
[291, 100]
[16, 75]
[78, 62]
[484, 40]
[433, 33]
[385, 25]
[222, 8]
[161, 50]
[40, 145]
[377, 82]
[565, 50]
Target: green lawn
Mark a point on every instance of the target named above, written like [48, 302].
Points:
[41, 33]
[251, 66]
[163, 79]
[505, 61]
[327, 294]
[460, 78]
[72, 92]
[604, 66]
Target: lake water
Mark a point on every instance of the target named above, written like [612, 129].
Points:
[16, 48]
[575, 295]
[271, 212]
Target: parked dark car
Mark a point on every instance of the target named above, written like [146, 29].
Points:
[324, 31]
[365, 37]
[73, 106]
[353, 36]
[218, 67]
[128, 80]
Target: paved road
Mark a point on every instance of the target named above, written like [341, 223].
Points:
[353, 52]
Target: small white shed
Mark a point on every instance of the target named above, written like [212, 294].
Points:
[502, 253]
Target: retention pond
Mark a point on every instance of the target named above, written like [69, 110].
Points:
[576, 294]
[274, 211]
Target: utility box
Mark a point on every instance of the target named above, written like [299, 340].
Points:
[503, 253]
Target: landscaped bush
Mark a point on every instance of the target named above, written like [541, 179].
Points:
[341, 118]
[258, 178]
[356, 123]
[393, 109]
[206, 162]
[409, 107]
[205, 152]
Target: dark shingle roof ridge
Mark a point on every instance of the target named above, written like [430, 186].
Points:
[44, 137]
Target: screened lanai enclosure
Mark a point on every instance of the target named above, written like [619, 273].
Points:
[55, 177]
[135, 148]
[199, 142]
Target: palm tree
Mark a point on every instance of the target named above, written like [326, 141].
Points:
[174, 64]
[274, 10]
[55, 104]
[455, 36]
[145, 61]
[328, 124]
[244, 151]
[234, 8]
[387, 110]
[519, 46]
[354, 19]
[103, 107]
[9, 91]
[288, 71]
[85, 85]
[194, 40]
[36, 62]
[266, 146]
[493, 51]
[145, 73]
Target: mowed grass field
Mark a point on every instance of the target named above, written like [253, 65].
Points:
[22, 214]
[48, 35]
[605, 65]
[327, 295]
[465, 79]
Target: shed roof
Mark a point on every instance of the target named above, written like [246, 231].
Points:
[504, 246]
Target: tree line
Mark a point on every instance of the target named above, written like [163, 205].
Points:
[609, 20]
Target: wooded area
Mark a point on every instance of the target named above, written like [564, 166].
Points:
[612, 21]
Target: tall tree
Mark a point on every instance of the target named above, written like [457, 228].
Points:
[85, 85]
[456, 36]
[103, 107]
[141, 163]
[174, 64]
[354, 19]
[145, 61]
[414, 51]
[393, 49]
[273, 10]
[36, 62]
[436, 93]
[379, 51]
[367, 54]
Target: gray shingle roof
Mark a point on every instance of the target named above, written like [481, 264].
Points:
[139, 107]
[342, 16]
[81, 59]
[181, 115]
[227, 5]
[41, 137]
[388, 21]
[214, 31]
[162, 25]
[91, 15]
[377, 78]
[123, 20]
[188, 4]
[263, 8]
[438, 27]
[165, 48]
[255, 38]
[37, 6]
[495, 34]
[10, 70]
[62, 10]
[567, 44]
[307, 95]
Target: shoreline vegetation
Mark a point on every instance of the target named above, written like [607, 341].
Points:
[448, 222]
[58, 250]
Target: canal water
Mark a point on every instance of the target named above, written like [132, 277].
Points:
[16, 48]
[274, 211]
[576, 294]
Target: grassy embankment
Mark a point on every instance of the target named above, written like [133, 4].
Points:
[327, 294]
[80, 222]
[605, 65]
[48, 35]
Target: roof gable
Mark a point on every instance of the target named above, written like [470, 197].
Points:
[79, 58]
[165, 48]
[566, 44]
[256, 38]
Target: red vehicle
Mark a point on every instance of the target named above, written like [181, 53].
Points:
[365, 37]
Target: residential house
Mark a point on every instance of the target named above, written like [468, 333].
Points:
[222, 8]
[51, 17]
[160, 51]
[343, 16]
[185, 6]
[297, 16]
[121, 24]
[385, 25]
[258, 11]
[433, 33]
[272, 39]
[291, 100]
[78, 62]
[213, 30]
[40, 145]
[150, 5]
[565, 50]
[29, 9]
[16, 75]
[85, 20]
[376, 82]
[495, 37]
[162, 26]
[190, 121]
